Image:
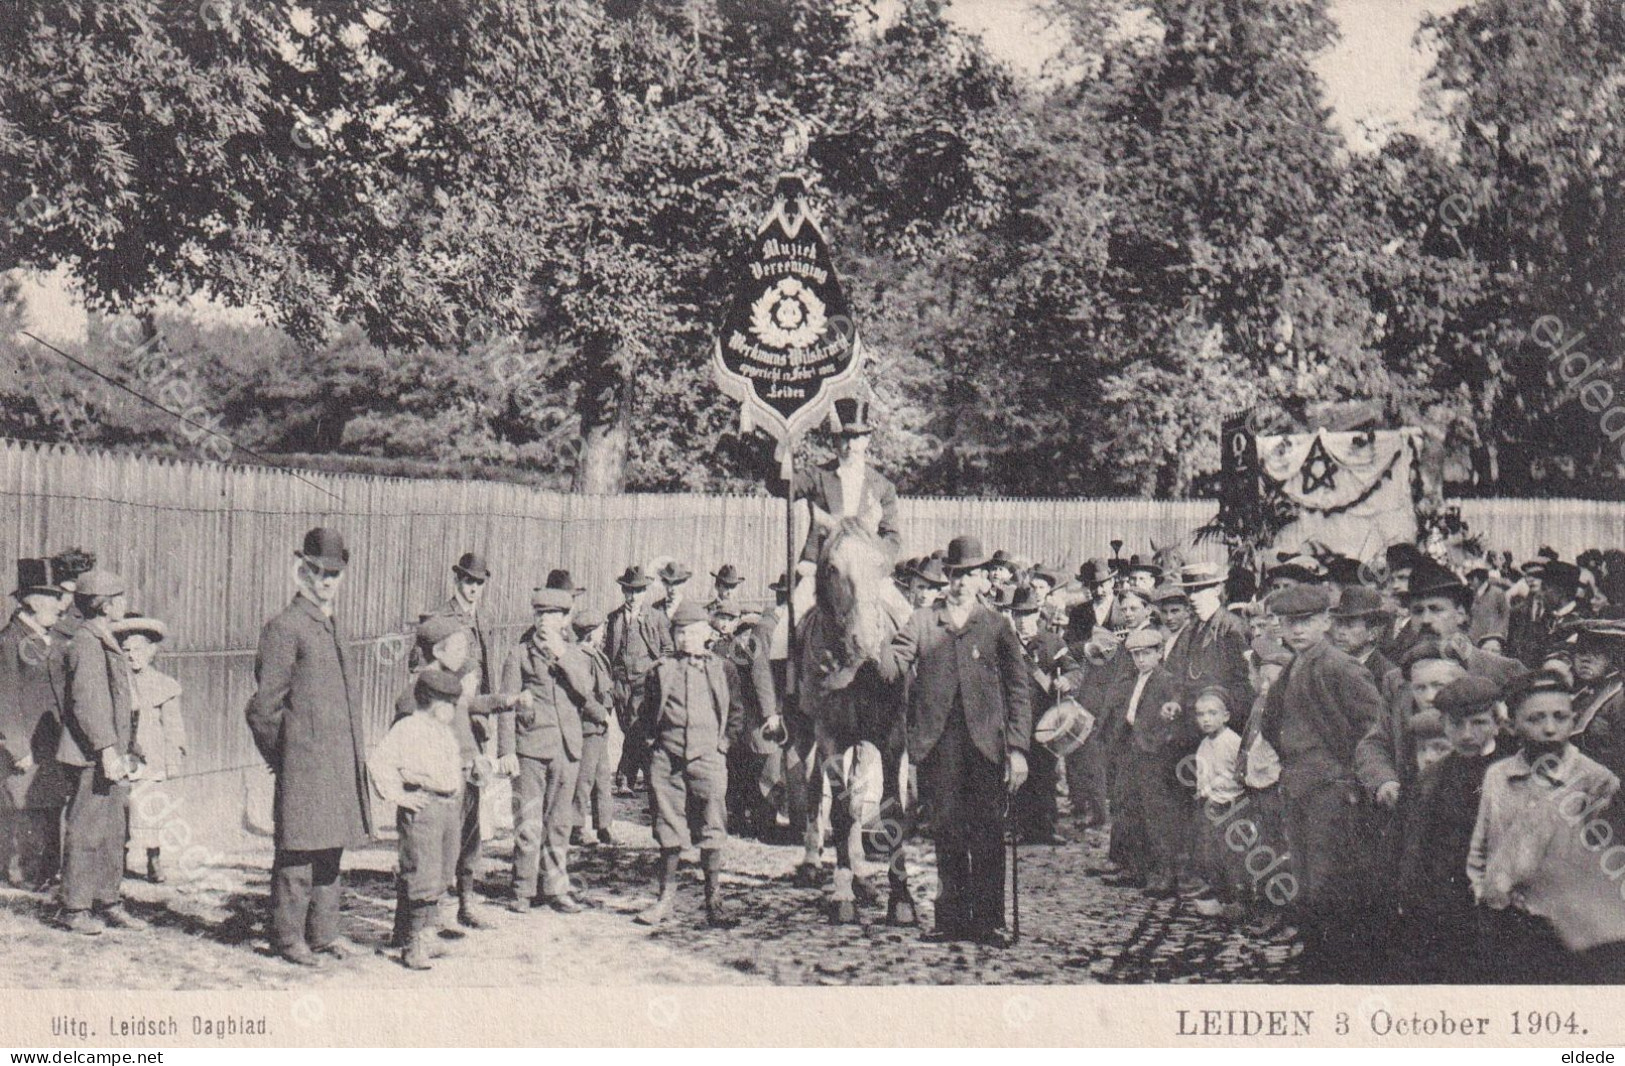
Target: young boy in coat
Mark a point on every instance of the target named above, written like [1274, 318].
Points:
[1438, 931]
[691, 720]
[1160, 733]
[418, 768]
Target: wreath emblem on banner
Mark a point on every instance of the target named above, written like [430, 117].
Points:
[788, 315]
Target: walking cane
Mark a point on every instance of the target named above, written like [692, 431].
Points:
[1015, 869]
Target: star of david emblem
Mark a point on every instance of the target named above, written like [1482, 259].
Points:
[1319, 471]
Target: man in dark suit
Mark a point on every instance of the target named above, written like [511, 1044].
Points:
[308, 727]
[36, 785]
[1535, 622]
[1315, 717]
[970, 726]
[1401, 559]
[1212, 649]
[635, 635]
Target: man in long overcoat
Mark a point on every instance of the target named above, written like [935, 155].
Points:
[969, 728]
[308, 727]
[36, 785]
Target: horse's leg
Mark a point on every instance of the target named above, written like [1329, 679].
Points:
[894, 835]
[809, 784]
[843, 906]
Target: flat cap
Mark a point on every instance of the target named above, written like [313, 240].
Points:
[688, 612]
[438, 684]
[1534, 683]
[1299, 601]
[434, 628]
[1169, 594]
[587, 618]
[1149, 637]
[552, 599]
[1467, 695]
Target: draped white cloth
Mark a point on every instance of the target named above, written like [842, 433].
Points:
[1353, 490]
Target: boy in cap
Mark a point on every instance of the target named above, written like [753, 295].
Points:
[594, 795]
[635, 636]
[1054, 674]
[1533, 860]
[554, 678]
[1158, 732]
[36, 785]
[1600, 700]
[97, 736]
[1358, 623]
[418, 768]
[1439, 927]
[691, 721]
[444, 642]
[1314, 718]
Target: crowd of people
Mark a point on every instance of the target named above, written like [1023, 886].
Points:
[1407, 768]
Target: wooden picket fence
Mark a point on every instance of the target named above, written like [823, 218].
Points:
[208, 548]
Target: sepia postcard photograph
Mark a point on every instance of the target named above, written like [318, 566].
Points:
[812, 522]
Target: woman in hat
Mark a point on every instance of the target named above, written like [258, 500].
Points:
[160, 737]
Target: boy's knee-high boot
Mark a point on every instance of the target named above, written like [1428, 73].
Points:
[420, 929]
[403, 917]
[717, 911]
[668, 889]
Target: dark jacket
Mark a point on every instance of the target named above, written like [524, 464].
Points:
[1600, 721]
[980, 666]
[29, 723]
[822, 486]
[564, 692]
[98, 710]
[1212, 653]
[308, 726]
[1335, 697]
[665, 678]
[767, 675]
[1150, 731]
[632, 648]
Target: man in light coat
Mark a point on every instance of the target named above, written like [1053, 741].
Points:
[308, 728]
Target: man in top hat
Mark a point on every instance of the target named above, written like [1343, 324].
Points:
[970, 727]
[1599, 701]
[557, 688]
[767, 677]
[1314, 717]
[484, 732]
[848, 487]
[725, 582]
[635, 635]
[1053, 674]
[308, 726]
[35, 784]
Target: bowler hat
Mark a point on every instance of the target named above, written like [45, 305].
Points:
[930, 571]
[99, 583]
[1045, 572]
[545, 599]
[674, 572]
[1299, 601]
[36, 575]
[1357, 601]
[435, 684]
[472, 564]
[1564, 577]
[780, 584]
[152, 628]
[1002, 558]
[964, 553]
[561, 579]
[1467, 695]
[688, 612]
[325, 548]
[1430, 580]
[1193, 576]
[853, 416]
[728, 576]
[633, 578]
[1025, 600]
[1095, 571]
[1143, 566]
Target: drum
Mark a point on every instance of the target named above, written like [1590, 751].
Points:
[1064, 727]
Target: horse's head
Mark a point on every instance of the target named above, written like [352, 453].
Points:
[854, 574]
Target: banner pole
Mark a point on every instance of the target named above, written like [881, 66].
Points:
[788, 471]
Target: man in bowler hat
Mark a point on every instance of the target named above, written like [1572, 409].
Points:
[635, 635]
[307, 725]
[970, 725]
